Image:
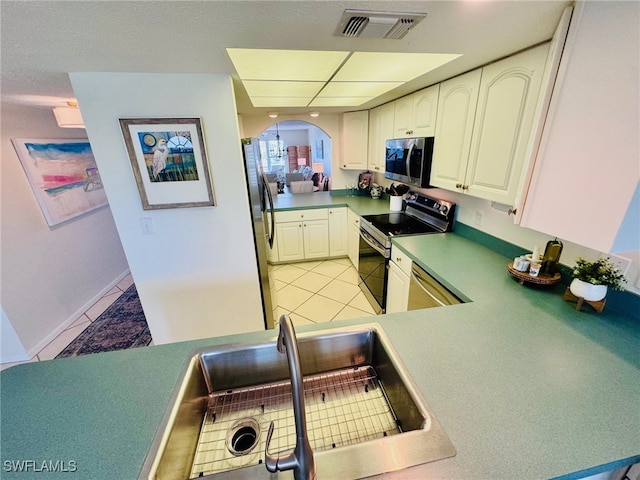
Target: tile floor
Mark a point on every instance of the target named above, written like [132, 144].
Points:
[310, 292]
[318, 292]
[76, 328]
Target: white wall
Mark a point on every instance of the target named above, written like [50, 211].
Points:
[11, 348]
[50, 275]
[252, 125]
[197, 275]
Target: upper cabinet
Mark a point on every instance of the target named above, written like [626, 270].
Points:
[355, 138]
[487, 162]
[381, 128]
[415, 114]
[457, 109]
[586, 170]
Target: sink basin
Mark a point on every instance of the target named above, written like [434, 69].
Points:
[365, 415]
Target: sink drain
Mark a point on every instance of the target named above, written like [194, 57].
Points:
[243, 436]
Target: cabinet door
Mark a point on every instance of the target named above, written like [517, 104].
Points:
[403, 117]
[397, 290]
[316, 238]
[425, 108]
[380, 130]
[353, 237]
[454, 125]
[507, 103]
[290, 241]
[338, 232]
[355, 137]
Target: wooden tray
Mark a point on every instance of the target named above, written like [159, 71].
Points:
[539, 280]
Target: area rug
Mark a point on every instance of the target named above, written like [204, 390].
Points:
[121, 326]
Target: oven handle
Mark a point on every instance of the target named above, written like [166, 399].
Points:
[418, 281]
[373, 244]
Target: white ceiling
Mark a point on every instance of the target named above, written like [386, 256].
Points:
[42, 41]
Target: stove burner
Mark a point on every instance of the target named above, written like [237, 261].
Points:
[395, 224]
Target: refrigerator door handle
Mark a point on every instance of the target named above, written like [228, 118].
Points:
[271, 225]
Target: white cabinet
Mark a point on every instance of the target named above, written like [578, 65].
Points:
[507, 101]
[316, 238]
[353, 236]
[586, 170]
[381, 129]
[415, 114]
[398, 281]
[355, 136]
[338, 232]
[457, 107]
[302, 234]
[290, 241]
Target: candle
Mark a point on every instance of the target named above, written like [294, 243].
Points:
[535, 256]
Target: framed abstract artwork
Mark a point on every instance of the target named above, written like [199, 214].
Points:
[169, 162]
[63, 176]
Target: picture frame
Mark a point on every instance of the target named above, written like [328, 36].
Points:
[63, 176]
[169, 162]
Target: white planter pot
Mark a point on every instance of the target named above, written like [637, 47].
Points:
[588, 291]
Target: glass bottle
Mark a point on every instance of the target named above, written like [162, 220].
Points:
[551, 257]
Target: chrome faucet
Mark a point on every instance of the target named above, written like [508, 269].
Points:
[300, 460]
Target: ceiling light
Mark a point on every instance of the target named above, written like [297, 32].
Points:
[69, 117]
[273, 114]
[314, 114]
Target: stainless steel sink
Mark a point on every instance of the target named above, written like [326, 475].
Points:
[364, 413]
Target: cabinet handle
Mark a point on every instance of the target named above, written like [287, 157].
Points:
[398, 259]
[458, 185]
[512, 211]
[465, 187]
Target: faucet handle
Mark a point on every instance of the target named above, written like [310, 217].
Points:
[271, 461]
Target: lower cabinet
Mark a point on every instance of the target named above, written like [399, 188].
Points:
[338, 232]
[302, 234]
[398, 281]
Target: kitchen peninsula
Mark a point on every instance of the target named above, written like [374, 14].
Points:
[524, 385]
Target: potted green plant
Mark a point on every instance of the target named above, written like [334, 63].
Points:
[592, 279]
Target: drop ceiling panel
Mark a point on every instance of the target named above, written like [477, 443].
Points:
[280, 101]
[339, 101]
[301, 65]
[262, 88]
[357, 89]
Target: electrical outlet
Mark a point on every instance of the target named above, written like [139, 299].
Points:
[479, 217]
[621, 262]
[146, 224]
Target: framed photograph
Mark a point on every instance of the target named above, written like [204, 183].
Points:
[63, 176]
[169, 162]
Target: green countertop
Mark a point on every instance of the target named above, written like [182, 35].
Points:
[361, 204]
[524, 385]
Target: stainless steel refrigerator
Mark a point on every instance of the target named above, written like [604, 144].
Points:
[262, 219]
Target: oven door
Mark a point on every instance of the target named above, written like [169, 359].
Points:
[372, 268]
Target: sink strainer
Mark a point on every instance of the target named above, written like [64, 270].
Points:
[243, 436]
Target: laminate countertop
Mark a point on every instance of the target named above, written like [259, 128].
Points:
[524, 385]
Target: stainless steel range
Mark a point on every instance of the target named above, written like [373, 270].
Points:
[423, 215]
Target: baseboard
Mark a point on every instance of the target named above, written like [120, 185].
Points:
[63, 326]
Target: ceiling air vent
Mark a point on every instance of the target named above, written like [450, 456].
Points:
[373, 24]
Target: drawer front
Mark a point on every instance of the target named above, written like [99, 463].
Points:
[299, 215]
[401, 259]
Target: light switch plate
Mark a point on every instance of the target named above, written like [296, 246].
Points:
[621, 262]
[146, 224]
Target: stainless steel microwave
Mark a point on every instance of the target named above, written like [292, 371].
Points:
[408, 160]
